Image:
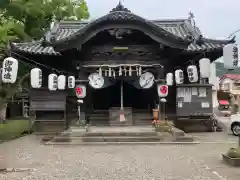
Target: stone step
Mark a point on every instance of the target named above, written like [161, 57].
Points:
[96, 113]
[142, 114]
[52, 133]
[107, 139]
[105, 121]
[100, 111]
[177, 132]
[132, 134]
[149, 121]
[119, 143]
[99, 123]
[121, 139]
[185, 138]
[100, 116]
[119, 124]
[83, 133]
[102, 121]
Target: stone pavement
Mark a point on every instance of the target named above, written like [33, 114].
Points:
[163, 162]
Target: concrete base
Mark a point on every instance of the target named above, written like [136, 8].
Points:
[231, 161]
[119, 135]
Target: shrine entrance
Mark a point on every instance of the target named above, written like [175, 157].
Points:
[138, 103]
[132, 97]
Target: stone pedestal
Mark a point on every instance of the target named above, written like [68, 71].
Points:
[114, 116]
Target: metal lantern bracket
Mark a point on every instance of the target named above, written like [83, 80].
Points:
[162, 102]
[79, 102]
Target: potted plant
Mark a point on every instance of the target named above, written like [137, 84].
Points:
[233, 155]
[155, 114]
[161, 127]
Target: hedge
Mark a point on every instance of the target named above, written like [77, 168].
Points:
[13, 129]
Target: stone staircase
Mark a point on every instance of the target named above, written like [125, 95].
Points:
[99, 118]
[142, 117]
[107, 135]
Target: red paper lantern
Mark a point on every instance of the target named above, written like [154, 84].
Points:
[163, 89]
[79, 90]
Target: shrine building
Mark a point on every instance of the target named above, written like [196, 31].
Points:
[110, 55]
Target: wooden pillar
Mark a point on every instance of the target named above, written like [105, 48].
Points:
[160, 74]
[65, 114]
[22, 106]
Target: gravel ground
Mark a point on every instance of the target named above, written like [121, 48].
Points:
[163, 162]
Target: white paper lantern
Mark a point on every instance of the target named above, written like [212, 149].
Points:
[169, 79]
[61, 82]
[71, 82]
[179, 76]
[205, 68]
[9, 70]
[217, 82]
[192, 73]
[212, 78]
[52, 82]
[146, 80]
[230, 56]
[36, 78]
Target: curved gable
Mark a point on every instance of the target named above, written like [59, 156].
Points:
[120, 17]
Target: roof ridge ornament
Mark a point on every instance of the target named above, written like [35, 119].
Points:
[197, 37]
[120, 7]
[191, 19]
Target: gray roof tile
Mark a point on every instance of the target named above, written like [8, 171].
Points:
[66, 28]
[35, 47]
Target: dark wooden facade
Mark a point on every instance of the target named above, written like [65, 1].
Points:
[79, 48]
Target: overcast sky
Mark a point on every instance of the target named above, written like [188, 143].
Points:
[215, 18]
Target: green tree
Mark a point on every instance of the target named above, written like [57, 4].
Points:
[30, 19]
[36, 15]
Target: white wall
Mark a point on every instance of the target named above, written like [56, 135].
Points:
[214, 80]
[227, 81]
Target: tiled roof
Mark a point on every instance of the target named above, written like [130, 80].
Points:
[35, 47]
[234, 77]
[176, 28]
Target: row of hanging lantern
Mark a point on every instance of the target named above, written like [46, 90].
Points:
[121, 71]
[230, 60]
[10, 71]
[192, 72]
[54, 81]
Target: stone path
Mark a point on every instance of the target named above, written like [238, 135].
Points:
[163, 162]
